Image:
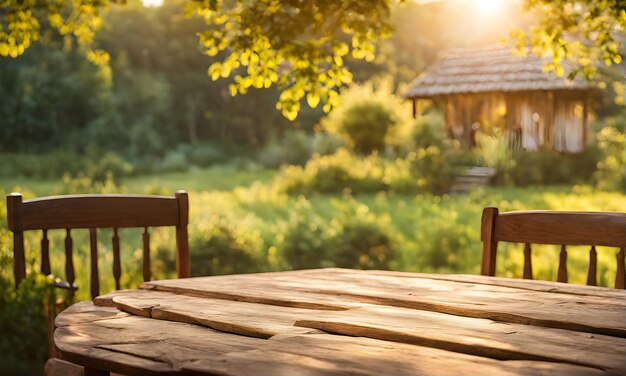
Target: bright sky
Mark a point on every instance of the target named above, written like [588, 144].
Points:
[487, 7]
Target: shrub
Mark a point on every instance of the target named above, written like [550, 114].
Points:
[369, 117]
[205, 155]
[334, 173]
[294, 148]
[362, 240]
[24, 339]
[611, 172]
[326, 143]
[81, 184]
[174, 160]
[545, 166]
[102, 166]
[429, 130]
[435, 168]
[50, 165]
[221, 247]
[305, 241]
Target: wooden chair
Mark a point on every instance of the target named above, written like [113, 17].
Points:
[93, 212]
[554, 227]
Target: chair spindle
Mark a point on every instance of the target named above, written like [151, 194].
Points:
[620, 277]
[45, 253]
[562, 275]
[93, 245]
[528, 265]
[69, 262]
[117, 267]
[592, 279]
[146, 255]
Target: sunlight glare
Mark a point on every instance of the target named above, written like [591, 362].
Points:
[152, 3]
[487, 7]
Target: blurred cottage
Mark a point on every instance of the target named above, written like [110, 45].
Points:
[484, 88]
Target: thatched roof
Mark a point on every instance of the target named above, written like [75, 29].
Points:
[492, 68]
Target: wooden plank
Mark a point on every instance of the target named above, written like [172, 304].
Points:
[536, 285]
[142, 346]
[574, 312]
[227, 289]
[249, 319]
[473, 336]
[85, 312]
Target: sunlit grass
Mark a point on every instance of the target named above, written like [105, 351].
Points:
[432, 233]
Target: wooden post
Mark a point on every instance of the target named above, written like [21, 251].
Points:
[183, 267]
[16, 225]
[414, 102]
[490, 246]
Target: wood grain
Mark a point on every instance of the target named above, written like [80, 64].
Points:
[558, 227]
[537, 285]
[337, 291]
[99, 211]
[141, 346]
[472, 336]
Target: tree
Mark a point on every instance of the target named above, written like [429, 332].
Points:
[300, 45]
[582, 32]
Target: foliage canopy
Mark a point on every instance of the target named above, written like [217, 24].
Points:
[301, 46]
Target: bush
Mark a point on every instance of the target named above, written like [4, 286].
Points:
[174, 160]
[435, 168]
[362, 240]
[45, 166]
[294, 148]
[334, 173]
[369, 117]
[306, 242]
[205, 155]
[221, 247]
[545, 166]
[429, 130]
[24, 339]
[326, 143]
[23, 323]
[611, 172]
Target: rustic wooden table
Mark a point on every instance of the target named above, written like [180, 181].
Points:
[348, 322]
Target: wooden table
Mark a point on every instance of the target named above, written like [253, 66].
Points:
[348, 322]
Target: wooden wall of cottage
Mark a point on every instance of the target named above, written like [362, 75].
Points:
[553, 119]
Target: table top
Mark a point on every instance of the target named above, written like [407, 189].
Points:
[349, 322]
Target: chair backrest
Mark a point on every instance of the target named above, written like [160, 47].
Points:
[554, 227]
[93, 212]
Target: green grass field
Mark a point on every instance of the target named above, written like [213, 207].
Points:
[431, 233]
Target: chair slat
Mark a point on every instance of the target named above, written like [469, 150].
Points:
[592, 279]
[69, 262]
[93, 246]
[562, 275]
[528, 266]
[146, 255]
[620, 277]
[45, 253]
[117, 265]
